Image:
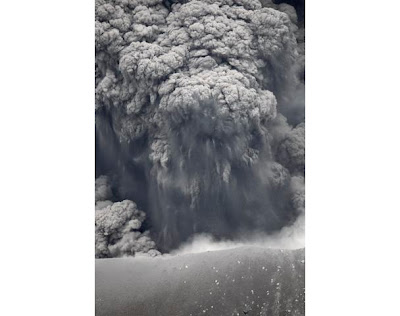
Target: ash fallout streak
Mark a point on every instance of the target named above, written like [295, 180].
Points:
[199, 122]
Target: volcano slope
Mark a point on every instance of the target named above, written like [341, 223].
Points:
[239, 281]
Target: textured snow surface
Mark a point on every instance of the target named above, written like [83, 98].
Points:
[240, 281]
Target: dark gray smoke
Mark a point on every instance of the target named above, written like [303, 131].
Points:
[118, 226]
[195, 107]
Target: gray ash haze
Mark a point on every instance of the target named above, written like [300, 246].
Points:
[199, 123]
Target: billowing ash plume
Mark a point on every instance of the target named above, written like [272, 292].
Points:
[118, 226]
[188, 96]
[289, 144]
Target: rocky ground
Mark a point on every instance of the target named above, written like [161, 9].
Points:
[240, 281]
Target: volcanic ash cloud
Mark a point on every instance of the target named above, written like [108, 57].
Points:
[118, 226]
[193, 91]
